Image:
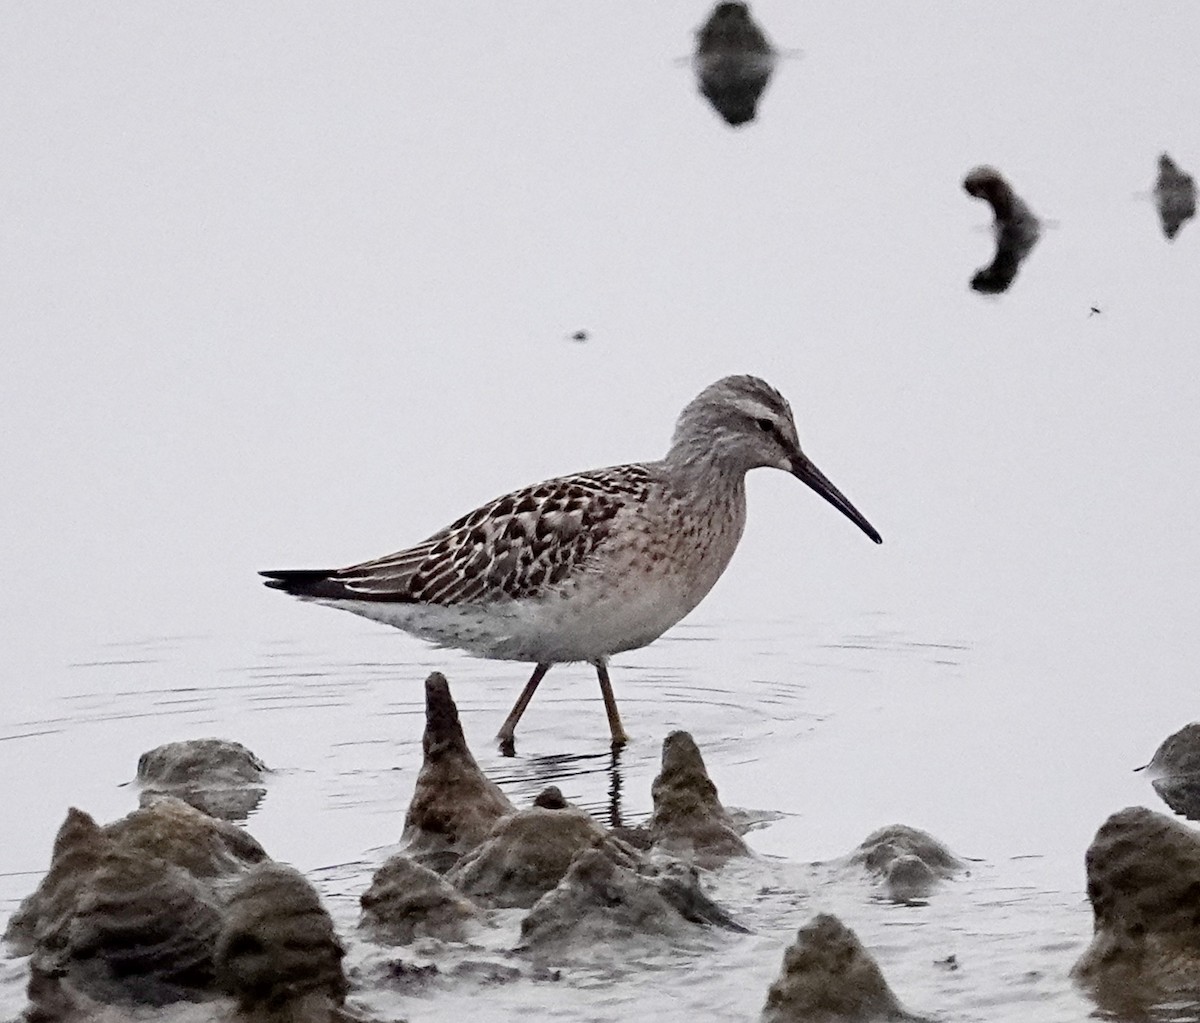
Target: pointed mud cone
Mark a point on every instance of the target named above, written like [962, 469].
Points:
[1143, 880]
[278, 950]
[828, 977]
[407, 901]
[688, 818]
[454, 805]
[78, 849]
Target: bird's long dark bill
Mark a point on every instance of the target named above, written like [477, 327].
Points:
[808, 473]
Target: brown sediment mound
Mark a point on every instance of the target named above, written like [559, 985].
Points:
[828, 977]
[528, 853]
[454, 805]
[277, 953]
[52, 999]
[733, 62]
[679, 884]
[688, 818]
[1016, 228]
[168, 831]
[1174, 771]
[1143, 880]
[907, 861]
[551, 798]
[129, 913]
[219, 777]
[177, 832]
[78, 848]
[600, 900]
[1174, 195]
[407, 901]
[141, 931]
[161, 914]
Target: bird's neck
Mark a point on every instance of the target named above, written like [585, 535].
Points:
[708, 500]
[698, 469]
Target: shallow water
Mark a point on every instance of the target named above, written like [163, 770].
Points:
[294, 287]
[953, 749]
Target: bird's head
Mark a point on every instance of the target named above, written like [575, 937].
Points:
[742, 423]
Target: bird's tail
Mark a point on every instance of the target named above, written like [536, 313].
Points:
[305, 582]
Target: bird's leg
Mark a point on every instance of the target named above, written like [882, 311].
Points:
[619, 738]
[508, 729]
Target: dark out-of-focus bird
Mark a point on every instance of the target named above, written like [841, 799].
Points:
[1015, 227]
[733, 62]
[580, 335]
[1175, 196]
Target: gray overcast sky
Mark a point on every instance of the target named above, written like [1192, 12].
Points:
[290, 281]
[289, 284]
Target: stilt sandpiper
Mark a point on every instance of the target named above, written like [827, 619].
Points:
[585, 566]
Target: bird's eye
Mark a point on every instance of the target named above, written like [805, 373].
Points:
[765, 425]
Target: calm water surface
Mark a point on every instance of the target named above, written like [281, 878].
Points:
[295, 286]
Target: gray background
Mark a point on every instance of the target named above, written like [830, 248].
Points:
[292, 284]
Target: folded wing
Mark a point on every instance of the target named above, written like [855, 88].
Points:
[515, 547]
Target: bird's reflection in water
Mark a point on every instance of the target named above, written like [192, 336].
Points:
[526, 778]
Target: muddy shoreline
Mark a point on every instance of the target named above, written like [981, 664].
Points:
[176, 910]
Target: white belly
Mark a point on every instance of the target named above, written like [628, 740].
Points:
[582, 624]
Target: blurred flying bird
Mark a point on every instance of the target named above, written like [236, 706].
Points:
[733, 61]
[1175, 196]
[1015, 227]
